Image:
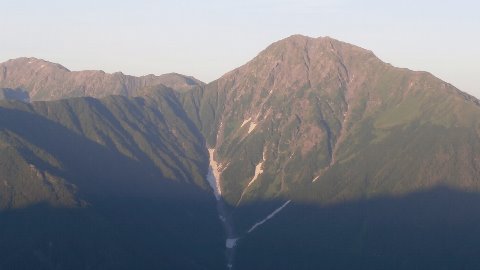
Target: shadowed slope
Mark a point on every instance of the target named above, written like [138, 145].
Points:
[104, 184]
[433, 229]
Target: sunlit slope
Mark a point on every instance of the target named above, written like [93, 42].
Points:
[323, 111]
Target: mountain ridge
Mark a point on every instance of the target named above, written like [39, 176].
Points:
[45, 80]
[308, 127]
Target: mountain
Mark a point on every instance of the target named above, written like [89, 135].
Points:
[44, 80]
[331, 120]
[315, 154]
[313, 123]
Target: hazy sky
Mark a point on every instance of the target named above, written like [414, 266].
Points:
[207, 38]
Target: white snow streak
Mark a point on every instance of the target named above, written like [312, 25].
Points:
[258, 170]
[252, 127]
[213, 176]
[231, 242]
[246, 121]
[268, 217]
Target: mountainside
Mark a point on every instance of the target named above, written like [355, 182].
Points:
[328, 119]
[315, 154]
[122, 178]
[14, 94]
[49, 81]
[312, 123]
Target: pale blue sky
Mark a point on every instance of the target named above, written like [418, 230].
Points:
[209, 38]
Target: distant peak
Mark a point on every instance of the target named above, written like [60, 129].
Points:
[34, 62]
[301, 43]
[298, 37]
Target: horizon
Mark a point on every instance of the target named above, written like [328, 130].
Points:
[197, 39]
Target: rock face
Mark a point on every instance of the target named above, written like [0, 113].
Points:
[331, 120]
[49, 81]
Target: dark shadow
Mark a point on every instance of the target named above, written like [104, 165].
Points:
[121, 233]
[435, 229]
[14, 94]
[135, 217]
[95, 169]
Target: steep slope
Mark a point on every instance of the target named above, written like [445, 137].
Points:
[319, 110]
[146, 130]
[310, 123]
[49, 81]
[114, 183]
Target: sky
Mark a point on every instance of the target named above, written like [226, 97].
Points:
[208, 38]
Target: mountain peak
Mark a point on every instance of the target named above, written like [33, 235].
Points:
[318, 45]
[32, 63]
[300, 37]
[301, 61]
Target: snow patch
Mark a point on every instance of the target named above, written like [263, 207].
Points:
[213, 176]
[258, 170]
[246, 121]
[231, 242]
[223, 167]
[252, 127]
[268, 217]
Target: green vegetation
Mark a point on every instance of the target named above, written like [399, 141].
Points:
[114, 183]
[380, 164]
